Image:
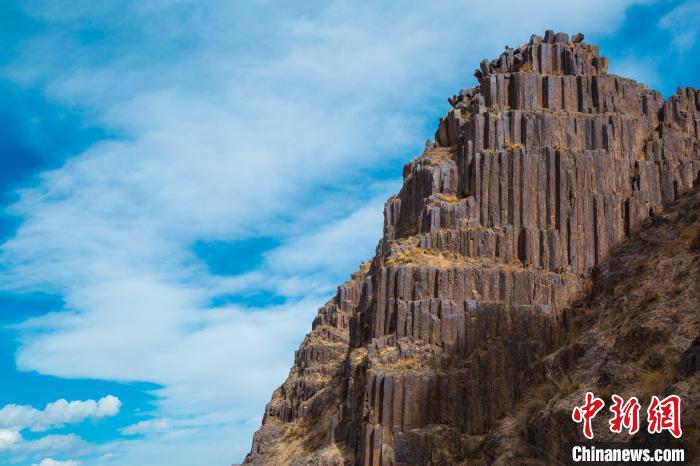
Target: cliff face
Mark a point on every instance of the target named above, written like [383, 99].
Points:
[483, 288]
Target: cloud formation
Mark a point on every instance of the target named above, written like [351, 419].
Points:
[52, 444]
[683, 22]
[52, 462]
[14, 449]
[8, 438]
[147, 427]
[56, 414]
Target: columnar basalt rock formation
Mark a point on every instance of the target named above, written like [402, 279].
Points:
[535, 176]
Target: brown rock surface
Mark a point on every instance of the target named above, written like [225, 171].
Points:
[637, 333]
[500, 245]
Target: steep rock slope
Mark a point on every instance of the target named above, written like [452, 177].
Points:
[536, 175]
[636, 334]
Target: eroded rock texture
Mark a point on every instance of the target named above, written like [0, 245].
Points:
[536, 176]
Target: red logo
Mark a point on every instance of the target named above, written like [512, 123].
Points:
[587, 412]
[665, 415]
[661, 415]
[625, 415]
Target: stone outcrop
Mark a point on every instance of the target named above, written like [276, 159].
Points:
[637, 333]
[536, 176]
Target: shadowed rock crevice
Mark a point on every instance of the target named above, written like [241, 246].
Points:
[503, 226]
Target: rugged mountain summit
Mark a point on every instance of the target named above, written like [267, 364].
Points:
[493, 255]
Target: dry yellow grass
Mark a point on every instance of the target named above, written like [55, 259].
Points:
[361, 271]
[525, 67]
[566, 385]
[296, 430]
[438, 155]
[510, 147]
[303, 442]
[364, 267]
[417, 256]
[389, 359]
[426, 257]
[534, 401]
[358, 355]
[405, 364]
[654, 381]
[451, 198]
[317, 379]
[320, 337]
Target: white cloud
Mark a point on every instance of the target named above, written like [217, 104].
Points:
[56, 414]
[19, 450]
[683, 22]
[52, 462]
[147, 427]
[53, 444]
[8, 438]
[207, 443]
[235, 120]
[333, 247]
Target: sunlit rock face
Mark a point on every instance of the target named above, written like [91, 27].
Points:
[429, 352]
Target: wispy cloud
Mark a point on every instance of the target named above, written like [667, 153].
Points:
[54, 444]
[147, 427]
[683, 22]
[236, 120]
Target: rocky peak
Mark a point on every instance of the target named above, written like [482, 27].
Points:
[535, 177]
[554, 54]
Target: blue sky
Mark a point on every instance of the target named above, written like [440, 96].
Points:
[183, 183]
